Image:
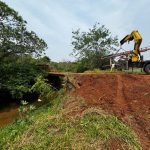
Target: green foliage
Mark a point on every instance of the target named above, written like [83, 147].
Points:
[15, 39]
[105, 127]
[44, 89]
[18, 70]
[66, 66]
[90, 46]
[17, 78]
[44, 60]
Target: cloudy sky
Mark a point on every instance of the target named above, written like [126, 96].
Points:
[54, 20]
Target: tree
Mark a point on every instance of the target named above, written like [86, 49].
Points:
[44, 60]
[18, 71]
[90, 46]
[18, 78]
[15, 40]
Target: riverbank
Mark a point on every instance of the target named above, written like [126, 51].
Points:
[68, 123]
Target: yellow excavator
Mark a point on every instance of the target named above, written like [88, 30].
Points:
[135, 35]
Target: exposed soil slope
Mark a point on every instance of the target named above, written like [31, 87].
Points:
[125, 95]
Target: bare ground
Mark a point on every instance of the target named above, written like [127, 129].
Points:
[125, 95]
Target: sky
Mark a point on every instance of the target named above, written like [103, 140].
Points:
[54, 21]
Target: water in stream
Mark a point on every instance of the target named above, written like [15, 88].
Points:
[8, 114]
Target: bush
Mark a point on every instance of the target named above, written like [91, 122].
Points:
[18, 78]
[44, 89]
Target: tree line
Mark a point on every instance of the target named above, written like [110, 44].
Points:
[21, 50]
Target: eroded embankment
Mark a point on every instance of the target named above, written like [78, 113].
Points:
[125, 95]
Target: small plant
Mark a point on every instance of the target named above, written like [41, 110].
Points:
[25, 109]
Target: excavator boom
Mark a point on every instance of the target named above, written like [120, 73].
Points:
[126, 53]
[135, 35]
[145, 65]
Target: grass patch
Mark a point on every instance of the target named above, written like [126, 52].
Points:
[103, 71]
[106, 127]
[51, 129]
[108, 71]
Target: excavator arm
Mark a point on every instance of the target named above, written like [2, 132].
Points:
[137, 40]
[126, 38]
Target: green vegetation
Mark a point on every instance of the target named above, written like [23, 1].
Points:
[89, 46]
[66, 66]
[18, 51]
[50, 127]
[15, 39]
[46, 91]
[53, 126]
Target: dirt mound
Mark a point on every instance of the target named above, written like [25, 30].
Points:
[125, 95]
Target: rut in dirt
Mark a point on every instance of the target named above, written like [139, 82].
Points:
[120, 99]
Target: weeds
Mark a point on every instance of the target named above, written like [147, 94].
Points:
[25, 109]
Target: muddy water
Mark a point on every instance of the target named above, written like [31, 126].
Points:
[8, 114]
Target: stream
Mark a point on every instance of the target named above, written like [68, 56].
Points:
[8, 113]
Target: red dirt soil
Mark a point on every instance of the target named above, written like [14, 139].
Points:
[125, 95]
